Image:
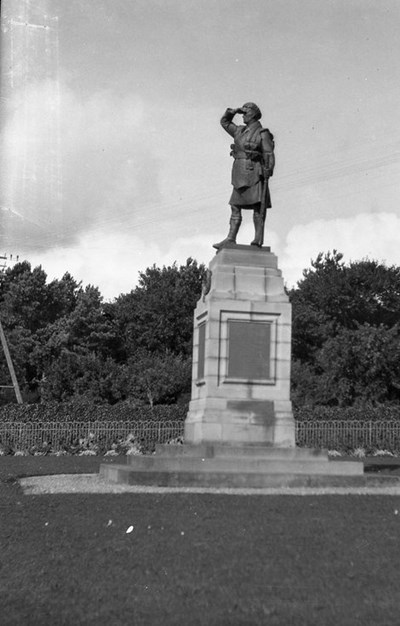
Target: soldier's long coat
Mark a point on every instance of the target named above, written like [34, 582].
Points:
[253, 151]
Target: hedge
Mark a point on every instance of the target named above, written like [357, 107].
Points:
[329, 413]
[84, 411]
[79, 411]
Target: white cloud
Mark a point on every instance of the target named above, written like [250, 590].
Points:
[372, 235]
[113, 260]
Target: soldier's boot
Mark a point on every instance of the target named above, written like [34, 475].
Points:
[258, 220]
[234, 225]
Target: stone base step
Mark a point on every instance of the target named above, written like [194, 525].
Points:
[126, 474]
[243, 465]
[218, 450]
[234, 465]
[220, 465]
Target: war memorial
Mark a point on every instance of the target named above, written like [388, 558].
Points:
[240, 430]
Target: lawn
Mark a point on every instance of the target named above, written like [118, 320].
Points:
[194, 558]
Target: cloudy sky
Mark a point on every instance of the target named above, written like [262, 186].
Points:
[112, 156]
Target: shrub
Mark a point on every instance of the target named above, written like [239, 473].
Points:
[367, 413]
[84, 411]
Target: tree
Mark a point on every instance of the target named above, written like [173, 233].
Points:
[27, 300]
[338, 311]
[159, 379]
[88, 376]
[157, 316]
[66, 342]
[362, 292]
[362, 366]
[63, 297]
[76, 349]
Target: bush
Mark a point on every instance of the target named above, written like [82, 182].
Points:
[368, 413]
[84, 411]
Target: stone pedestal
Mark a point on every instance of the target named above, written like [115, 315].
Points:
[241, 353]
[239, 431]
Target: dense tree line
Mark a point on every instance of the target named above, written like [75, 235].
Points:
[346, 334]
[67, 343]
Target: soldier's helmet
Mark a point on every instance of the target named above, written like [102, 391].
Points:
[251, 105]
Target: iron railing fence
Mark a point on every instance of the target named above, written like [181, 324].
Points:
[59, 436]
[348, 434]
[333, 435]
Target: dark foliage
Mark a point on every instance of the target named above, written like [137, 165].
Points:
[66, 343]
[388, 413]
[346, 335]
[69, 345]
[85, 411]
[157, 316]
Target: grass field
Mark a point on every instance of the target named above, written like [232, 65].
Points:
[194, 558]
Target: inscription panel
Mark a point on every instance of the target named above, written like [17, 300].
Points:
[247, 347]
[249, 350]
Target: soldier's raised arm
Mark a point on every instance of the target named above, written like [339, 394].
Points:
[227, 123]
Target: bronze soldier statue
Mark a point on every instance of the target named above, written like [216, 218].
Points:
[253, 151]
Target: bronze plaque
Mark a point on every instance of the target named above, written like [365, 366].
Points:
[249, 349]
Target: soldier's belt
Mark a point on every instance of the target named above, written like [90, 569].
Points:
[252, 156]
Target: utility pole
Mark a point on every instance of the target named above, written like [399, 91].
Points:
[15, 385]
[5, 260]
[7, 354]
